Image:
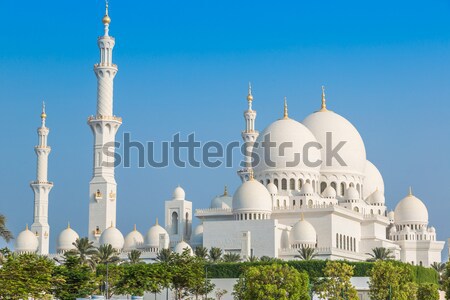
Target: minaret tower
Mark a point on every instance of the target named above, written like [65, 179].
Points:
[249, 135]
[41, 188]
[104, 125]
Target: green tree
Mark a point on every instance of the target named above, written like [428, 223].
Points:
[4, 252]
[164, 255]
[106, 254]
[27, 275]
[252, 258]
[187, 275]
[5, 233]
[380, 253]
[79, 279]
[215, 254]
[306, 253]
[446, 280]
[336, 285]
[427, 291]
[231, 257]
[84, 249]
[134, 257]
[390, 278]
[440, 269]
[268, 259]
[201, 252]
[136, 279]
[271, 282]
[108, 277]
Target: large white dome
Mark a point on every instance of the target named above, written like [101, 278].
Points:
[372, 180]
[133, 240]
[66, 239]
[152, 236]
[113, 237]
[279, 133]
[181, 246]
[411, 210]
[252, 196]
[353, 152]
[303, 233]
[223, 201]
[26, 242]
[197, 236]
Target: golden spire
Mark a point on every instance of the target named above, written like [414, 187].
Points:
[112, 224]
[250, 174]
[26, 227]
[410, 193]
[225, 191]
[134, 227]
[302, 217]
[324, 101]
[106, 19]
[249, 96]
[68, 225]
[156, 223]
[285, 116]
[43, 114]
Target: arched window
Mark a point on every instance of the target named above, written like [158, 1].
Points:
[379, 212]
[354, 244]
[342, 191]
[300, 184]
[323, 186]
[351, 244]
[337, 240]
[275, 181]
[278, 202]
[340, 241]
[292, 184]
[314, 185]
[175, 222]
[293, 202]
[268, 181]
[356, 208]
[333, 185]
[284, 184]
[358, 188]
[345, 245]
[186, 229]
[310, 202]
[262, 181]
[284, 203]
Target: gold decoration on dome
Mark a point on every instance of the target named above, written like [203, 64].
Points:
[134, 227]
[68, 225]
[251, 174]
[249, 96]
[324, 101]
[302, 217]
[26, 227]
[106, 19]
[156, 223]
[112, 225]
[285, 115]
[410, 192]
[225, 191]
[112, 195]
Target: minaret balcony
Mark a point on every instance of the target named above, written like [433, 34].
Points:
[104, 118]
[48, 183]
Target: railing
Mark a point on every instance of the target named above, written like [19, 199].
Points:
[99, 117]
[213, 210]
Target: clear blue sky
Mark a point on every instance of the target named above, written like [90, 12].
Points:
[184, 66]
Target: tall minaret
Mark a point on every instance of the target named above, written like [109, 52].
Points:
[41, 188]
[249, 135]
[104, 125]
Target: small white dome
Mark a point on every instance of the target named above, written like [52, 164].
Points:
[26, 242]
[411, 210]
[376, 197]
[352, 193]
[181, 246]
[353, 152]
[113, 237]
[252, 196]
[303, 233]
[307, 189]
[133, 240]
[329, 192]
[153, 234]
[372, 180]
[221, 202]
[66, 239]
[197, 237]
[432, 229]
[391, 216]
[393, 230]
[272, 188]
[178, 193]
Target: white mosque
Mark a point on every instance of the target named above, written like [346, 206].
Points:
[338, 209]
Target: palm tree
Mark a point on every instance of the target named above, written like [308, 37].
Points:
[215, 254]
[84, 250]
[380, 253]
[269, 259]
[106, 254]
[231, 257]
[134, 257]
[164, 255]
[4, 232]
[439, 267]
[201, 252]
[306, 253]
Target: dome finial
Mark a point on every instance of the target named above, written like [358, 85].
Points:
[324, 101]
[43, 114]
[112, 224]
[134, 227]
[26, 227]
[225, 191]
[250, 174]
[410, 192]
[106, 19]
[302, 217]
[285, 116]
[249, 96]
[156, 223]
[68, 225]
